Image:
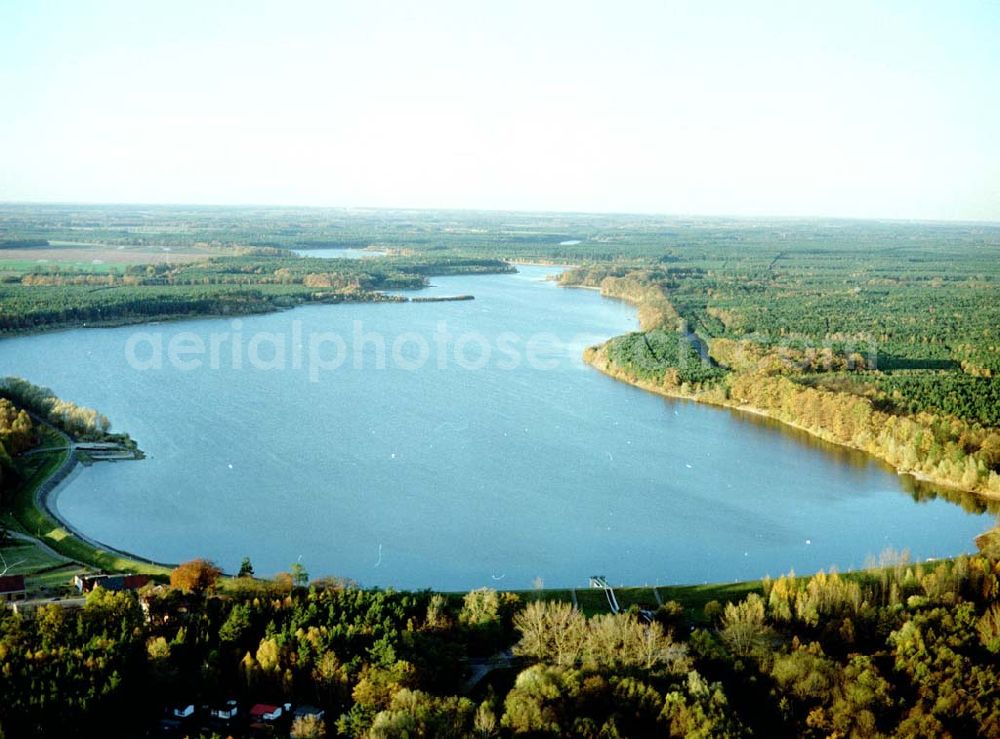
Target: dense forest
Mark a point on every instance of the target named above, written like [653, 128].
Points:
[903, 649]
[49, 296]
[17, 434]
[26, 410]
[68, 417]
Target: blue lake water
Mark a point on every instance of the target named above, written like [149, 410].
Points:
[442, 467]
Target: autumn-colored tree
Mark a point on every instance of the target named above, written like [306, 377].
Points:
[16, 430]
[308, 727]
[195, 576]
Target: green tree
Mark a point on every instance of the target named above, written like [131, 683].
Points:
[246, 568]
[237, 624]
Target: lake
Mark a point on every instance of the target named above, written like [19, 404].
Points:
[338, 253]
[475, 450]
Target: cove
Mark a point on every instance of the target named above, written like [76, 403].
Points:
[446, 474]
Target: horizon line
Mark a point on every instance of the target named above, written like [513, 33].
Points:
[518, 211]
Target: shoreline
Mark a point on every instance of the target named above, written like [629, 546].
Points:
[527, 262]
[602, 366]
[180, 317]
[50, 529]
[916, 475]
[384, 295]
[47, 492]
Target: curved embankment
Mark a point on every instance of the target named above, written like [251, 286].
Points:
[62, 536]
[655, 309]
[78, 545]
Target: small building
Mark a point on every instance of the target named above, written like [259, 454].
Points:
[12, 587]
[112, 582]
[134, 582]
[226, 711]
[265, 712]
[183, 711]
[304, 711]
[86, 583]
[130, 581]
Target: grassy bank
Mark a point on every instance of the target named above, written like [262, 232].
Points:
[45, 573]
[692, 598]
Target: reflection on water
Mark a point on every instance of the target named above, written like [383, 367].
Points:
[919, 490]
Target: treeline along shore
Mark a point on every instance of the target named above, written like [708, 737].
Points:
[47, 297]
[823, 390]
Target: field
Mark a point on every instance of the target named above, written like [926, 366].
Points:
[92, 259]
[44, 572]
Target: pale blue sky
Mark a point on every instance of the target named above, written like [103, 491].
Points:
[868, 109]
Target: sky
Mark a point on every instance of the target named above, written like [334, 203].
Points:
[850, 109]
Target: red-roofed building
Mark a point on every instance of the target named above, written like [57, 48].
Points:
[12, 587]
[86, 583]
[134, 582]
[265, 712]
